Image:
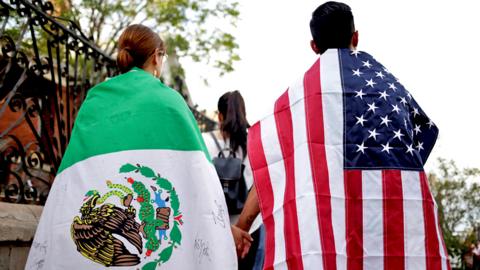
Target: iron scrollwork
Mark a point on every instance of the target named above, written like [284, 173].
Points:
[47, 66]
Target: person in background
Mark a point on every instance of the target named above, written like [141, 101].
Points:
[232, 137]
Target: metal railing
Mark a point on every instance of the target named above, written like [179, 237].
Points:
[47, 66]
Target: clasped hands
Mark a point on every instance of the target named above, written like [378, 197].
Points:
[243, 241]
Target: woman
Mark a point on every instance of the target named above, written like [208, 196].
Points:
[231, 139]
[135, 187]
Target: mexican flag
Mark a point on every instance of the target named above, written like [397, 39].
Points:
[136, 188]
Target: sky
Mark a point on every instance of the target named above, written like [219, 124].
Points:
[429, 45]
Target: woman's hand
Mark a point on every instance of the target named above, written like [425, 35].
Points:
[243, 241]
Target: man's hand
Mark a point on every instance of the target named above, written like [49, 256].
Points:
[243, 241]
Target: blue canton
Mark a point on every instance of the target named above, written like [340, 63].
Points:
[384, 126]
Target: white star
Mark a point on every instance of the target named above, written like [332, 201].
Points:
[360, 120]
[366, 64]
[409, 96]
[360, 94]
[386, 148]
[385, 120]
[386, 70]
[419, 146]
[361, 148]
[379, 74]
[384, 95]
[357, 72]
[372, 107]
[410, 149]
[392, 86]
[415, 112]
[403, 101]
[373, 133]
[396, 109]
[355, 52]
[398, 134]
[370, 82]
[430, 123]
[417, 129]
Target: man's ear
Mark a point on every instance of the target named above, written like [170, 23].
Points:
[314, 47]
[354, 41]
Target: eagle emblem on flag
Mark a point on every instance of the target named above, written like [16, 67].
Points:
[148, 227]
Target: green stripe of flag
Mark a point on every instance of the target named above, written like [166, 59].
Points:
[128, 112]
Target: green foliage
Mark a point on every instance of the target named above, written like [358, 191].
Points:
[127, 168]
[198, 29]
[166, 254]
[176, 235]
[147, 172]
[150, 266]
[457, 194]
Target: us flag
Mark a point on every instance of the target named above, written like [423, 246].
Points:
[338, 168]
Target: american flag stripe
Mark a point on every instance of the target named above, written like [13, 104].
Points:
[319, 211]
[283, 119]
[320, 171]
[273, 156]
[264, 190]
[413, 216]
[354, 219]
[431, 237]
[393, 220]
[308, 227]
[372, 210]
[333, 117]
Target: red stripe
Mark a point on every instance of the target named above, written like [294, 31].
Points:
[316, 144]
[393, 238]
[354, 219]
[283, 119]
[432, 247]
[261, 175]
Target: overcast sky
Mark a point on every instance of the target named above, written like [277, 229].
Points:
[431, 46]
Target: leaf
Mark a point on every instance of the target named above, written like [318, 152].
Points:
[166, 254]
[147, 172]
[164, 184]
[127, 168]
[176, 235]
[150, 266]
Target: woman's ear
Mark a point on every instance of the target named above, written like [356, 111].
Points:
[220, 117]
[314, 47]
[156, 58]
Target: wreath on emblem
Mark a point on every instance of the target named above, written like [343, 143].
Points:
[95, 231]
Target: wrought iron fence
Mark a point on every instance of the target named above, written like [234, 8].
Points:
[47, 66]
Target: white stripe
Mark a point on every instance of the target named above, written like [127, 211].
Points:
[276, 168]
[372, 194]
[413, 220]
[332, 103]
[305, 193]
[439, 235]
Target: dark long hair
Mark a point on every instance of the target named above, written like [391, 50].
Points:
[235, 124]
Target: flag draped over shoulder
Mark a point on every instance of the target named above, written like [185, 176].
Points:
[339, 174]
[136, 188]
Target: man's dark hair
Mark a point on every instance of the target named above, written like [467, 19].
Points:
[332, 26]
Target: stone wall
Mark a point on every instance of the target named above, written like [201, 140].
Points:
[17, 228]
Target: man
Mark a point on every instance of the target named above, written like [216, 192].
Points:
[338, 165]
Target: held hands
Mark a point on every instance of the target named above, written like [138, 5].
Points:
[243, 241]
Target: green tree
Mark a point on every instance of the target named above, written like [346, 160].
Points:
[457, 194]
[199, 29]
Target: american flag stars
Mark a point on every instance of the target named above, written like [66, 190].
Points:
[382, 120]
